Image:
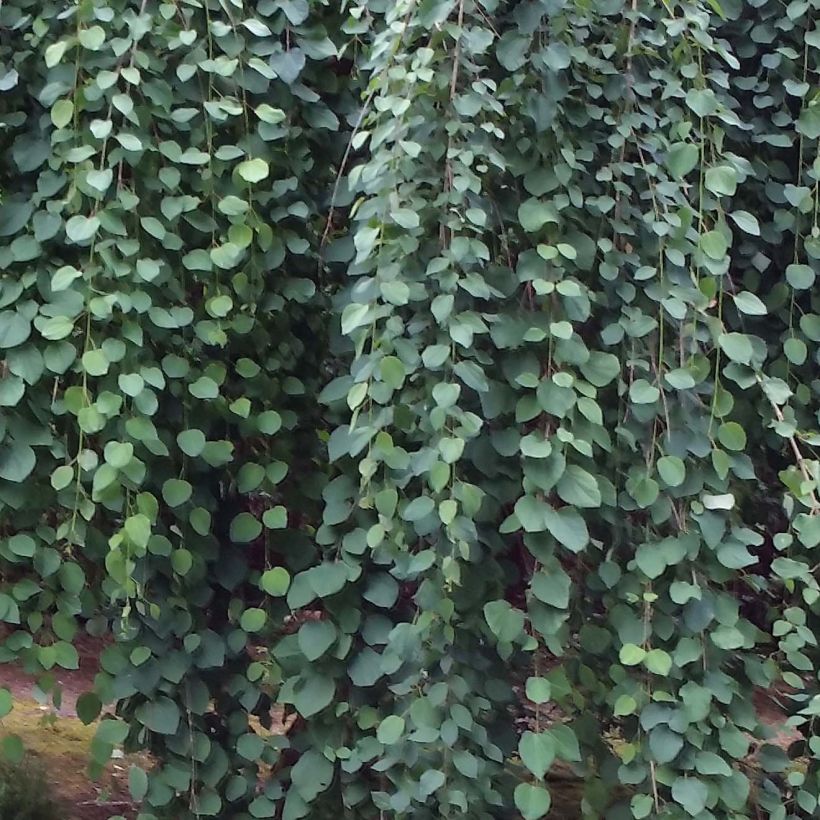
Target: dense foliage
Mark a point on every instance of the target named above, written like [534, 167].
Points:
[373, 368]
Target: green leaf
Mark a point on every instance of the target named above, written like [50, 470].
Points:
[664, 744]
[191, 442]
[466, 764]
[253, 619]
[258, 28]
[533, 215]
[382, 591]
[22, 545]
[130, 142]
[328, 578]
[62, 112]
[95, 362]
[204, 388]
[651, 560]
[54, 53]
[397, 293]
[538, 690]
[357, 395]
[690, 793]
[658, 661]
[12, 390]
[270, 115]
[537, 752]
[182, 561]
[711, 764]
[56, 328]
[63, 277]
[313, 694]
[88, 708]
[732, 436]
[721, 180]
[566, 743]
[17, 462]
[6, 702]
[315, 638]
[118, 454]
[749, 304]
[390, 730]
[253, 170]
[275, 581]
[176, 492]
[276, 518]
[218, 306]
[714, 244]
[631, 654]
[702, 101]
[406, 218]
[137, 783]
[579, 488]
[601, 368]
[269, 422]
[92, 38]
[682, 158]
[160, 715]
[746, 222]
[250, 746]
[624, 705]
[532, 801]
[245, 528]
[567, 527]
[451, 449]
[737, 347]
[354, 315]
[112, 731]
[100, 180]
[431, 781]
[800, 277]
[62, 477]
[788, 568]
[506, 623]
[446, 395]
[672, 470]
[392, 371]
[642, 392]
[66, 655]
[81, 228]
[138, 529]
[796, 351]
[808, 123]
[532, 513]
[14, 329]
[552, 587]
[418, 508]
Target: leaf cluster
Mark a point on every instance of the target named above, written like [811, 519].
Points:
[398, 367]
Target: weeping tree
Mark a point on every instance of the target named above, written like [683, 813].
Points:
[420, 396]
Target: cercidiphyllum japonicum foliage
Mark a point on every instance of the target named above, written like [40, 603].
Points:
[563, 446]
[432, 694]
[166, 167]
